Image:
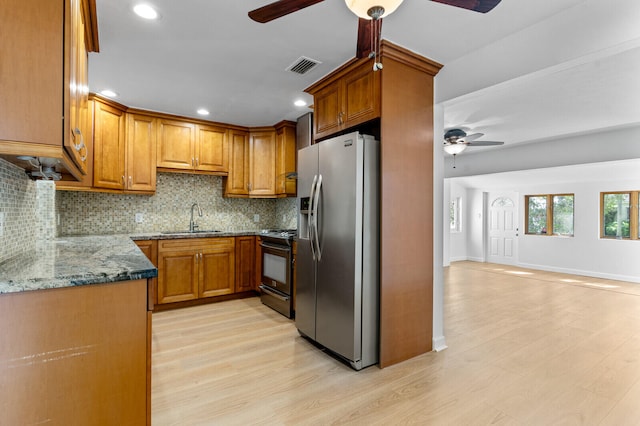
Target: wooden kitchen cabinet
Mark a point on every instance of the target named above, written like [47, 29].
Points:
[176, 140]
[140, 165]
[345, 99]
[192, 147]
[78, 355]
[193, 268]
[108, 146]
[124, 149]
[150, 249]
[211, 149]
[245, 263]
[285, 158]
[262, 163]
[236, 184]
[44, 82]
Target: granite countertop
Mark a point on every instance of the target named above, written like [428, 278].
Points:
[187, 234]
[73, 261]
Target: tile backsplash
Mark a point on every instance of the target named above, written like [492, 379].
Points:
[82, 213]
[18, 213]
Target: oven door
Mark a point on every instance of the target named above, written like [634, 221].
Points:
[276, 267]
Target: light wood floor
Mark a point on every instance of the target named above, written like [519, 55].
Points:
[525, 347]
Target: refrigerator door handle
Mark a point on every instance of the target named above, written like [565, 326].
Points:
[313, 189]
[315, 218]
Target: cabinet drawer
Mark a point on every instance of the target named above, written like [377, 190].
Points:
[196, 243]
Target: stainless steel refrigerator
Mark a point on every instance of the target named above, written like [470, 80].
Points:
[337, 282]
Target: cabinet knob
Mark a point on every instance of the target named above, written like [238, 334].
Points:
[130, 182]
[197, 162]
[340, 114]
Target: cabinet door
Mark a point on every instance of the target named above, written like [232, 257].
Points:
[217, 271]
[75, 144]
[328, 114]
[177, 275]
[238, 177]
[212, 149]
[361, 96]
[245, 263]
[262, 164]
[176, 142]
[141, 153]
[285, 161]
[108, 147]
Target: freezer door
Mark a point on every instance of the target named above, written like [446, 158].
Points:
[338, 300]
[305, 297]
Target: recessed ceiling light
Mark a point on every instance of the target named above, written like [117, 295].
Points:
[203, 111]
[300, 103]
[145, 11]
[108, 93]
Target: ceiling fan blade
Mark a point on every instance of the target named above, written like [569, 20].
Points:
[473, 137]
[365, 33]
[484, 143]
[482, 6]
[278, 9]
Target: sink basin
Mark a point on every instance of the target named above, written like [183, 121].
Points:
[197, 231]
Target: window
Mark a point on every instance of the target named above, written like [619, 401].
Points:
[619, 217]
[549, 214]
[455, 215]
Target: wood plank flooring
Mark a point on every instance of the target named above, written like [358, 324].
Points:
[525, 347]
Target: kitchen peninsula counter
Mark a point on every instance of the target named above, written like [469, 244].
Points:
[75, 261]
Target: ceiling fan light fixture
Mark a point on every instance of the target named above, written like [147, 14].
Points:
[454, 148]
[370, 9]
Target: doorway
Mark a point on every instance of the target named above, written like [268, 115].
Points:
[502, 228]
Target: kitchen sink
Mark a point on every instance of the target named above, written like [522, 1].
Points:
[197, 231]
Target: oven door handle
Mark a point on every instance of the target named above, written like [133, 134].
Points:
[285, 249]
[273, 293]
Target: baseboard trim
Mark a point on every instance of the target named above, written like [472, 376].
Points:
[439, 344]
[581, 272]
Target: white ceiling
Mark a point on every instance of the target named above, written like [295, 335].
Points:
[528, 70]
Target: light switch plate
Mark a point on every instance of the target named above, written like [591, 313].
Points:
[256, 218]
[139, 218]
[1, 224]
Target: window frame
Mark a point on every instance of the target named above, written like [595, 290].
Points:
[549, 197]
[634, 218]
[456, 204]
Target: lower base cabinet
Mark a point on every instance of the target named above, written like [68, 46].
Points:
[190, 269]
[76, 355]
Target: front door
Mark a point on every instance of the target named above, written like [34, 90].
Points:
[502, 241]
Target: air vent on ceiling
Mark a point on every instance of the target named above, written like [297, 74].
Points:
[302, 65]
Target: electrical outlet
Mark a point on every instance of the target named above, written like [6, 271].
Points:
[139, 218]
[1, 224]
[256, 218]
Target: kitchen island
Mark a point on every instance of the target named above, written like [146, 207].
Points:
[75, 343]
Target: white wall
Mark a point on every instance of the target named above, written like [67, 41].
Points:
[583, 254]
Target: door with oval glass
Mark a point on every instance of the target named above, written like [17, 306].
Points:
[502, 227]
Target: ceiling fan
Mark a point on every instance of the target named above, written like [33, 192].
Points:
[369, 12]
[457, 140]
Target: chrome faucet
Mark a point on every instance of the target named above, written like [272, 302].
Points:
[192, 224]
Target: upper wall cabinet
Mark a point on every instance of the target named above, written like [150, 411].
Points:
[346, 99]
[237, 182]
[187, 146]
[124, 149]
[262, 163]
[286, 159]
[44, 50]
